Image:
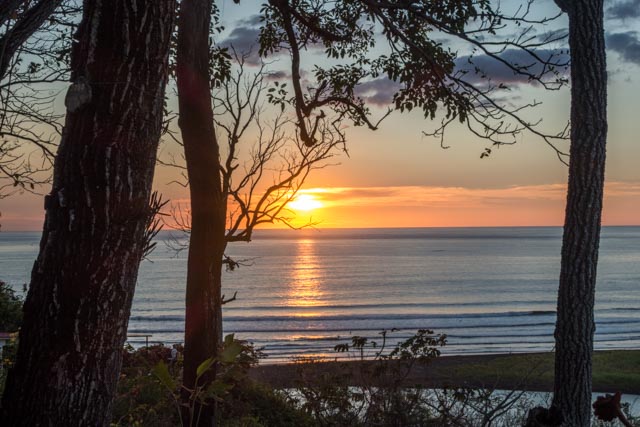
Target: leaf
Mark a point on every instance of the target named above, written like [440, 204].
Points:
[161, 371]
[216, 389]
[204, 367]
[229, 339]
[230, 352]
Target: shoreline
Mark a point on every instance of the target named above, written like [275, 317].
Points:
[614, 370]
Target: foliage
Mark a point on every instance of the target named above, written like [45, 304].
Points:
[400, 44]
[32, 74]
[149, 390]
[375, 391]
[8, 360]
[142, 401]
[10, 309]
[10, 321]
[145, 356]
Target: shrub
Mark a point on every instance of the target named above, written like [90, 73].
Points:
[10, 309]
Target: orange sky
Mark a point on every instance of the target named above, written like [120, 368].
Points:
[396, 177]
[422, 206]
[454, 206]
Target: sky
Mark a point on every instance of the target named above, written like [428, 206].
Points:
[397, 177]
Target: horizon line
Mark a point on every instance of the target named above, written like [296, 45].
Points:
[380, 228]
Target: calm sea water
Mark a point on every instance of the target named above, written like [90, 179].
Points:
[488, 289]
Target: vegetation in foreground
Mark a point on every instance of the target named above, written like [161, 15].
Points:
[374, 393]
[377, 390]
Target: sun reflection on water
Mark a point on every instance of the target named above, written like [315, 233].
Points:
[305, 288]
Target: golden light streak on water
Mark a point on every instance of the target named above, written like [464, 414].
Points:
[305, 288]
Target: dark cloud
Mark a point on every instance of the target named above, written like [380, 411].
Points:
[625, 9]
[482, 67]
[278, 76]
[245, 40]
[555, 35]
[252, 21]
[378, 92]
[626, 44]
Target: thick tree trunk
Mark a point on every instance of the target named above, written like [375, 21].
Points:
[82, 284]
[203, 316]
[575, 323]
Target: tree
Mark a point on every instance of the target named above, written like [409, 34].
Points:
[251, 195]
[427, 73]
[97, 216]
[575, 324]
[34, 57]
[208, 208]
[26, 19]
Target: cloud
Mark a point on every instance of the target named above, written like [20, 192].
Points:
[624, 9]
[420, 206]
[378, 92]
[245, 40]
[627, 45]
[251, 21]
[482, 67]
[456, 196]
[407, 196]
[278, 75]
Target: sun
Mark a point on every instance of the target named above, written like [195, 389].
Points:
[305, 202]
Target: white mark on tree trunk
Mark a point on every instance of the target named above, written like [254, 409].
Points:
[76, 334]
[61, 198]
[72, 219]
[95, 21]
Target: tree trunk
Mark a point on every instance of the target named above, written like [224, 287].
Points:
[203, 316]
[77, 309]
[575, 323]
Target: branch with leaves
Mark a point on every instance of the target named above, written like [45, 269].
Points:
[35, 43]
[430, 76]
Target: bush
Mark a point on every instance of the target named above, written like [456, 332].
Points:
[149, 391]
[10, 309]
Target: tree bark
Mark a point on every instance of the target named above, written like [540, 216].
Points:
[575, 322]
[203, 315]
[77, 309]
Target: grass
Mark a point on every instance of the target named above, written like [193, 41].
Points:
[613, 370]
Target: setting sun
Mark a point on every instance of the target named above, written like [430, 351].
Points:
[305, 202]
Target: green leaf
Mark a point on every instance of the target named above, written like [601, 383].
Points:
[230, 352]
[204, 367]
[228, 340]
[161, 371]
[216, 389]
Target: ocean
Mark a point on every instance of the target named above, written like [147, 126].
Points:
[491, 290]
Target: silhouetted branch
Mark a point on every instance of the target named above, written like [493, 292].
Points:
[430, 76]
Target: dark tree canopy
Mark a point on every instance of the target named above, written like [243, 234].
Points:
[412, 45]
